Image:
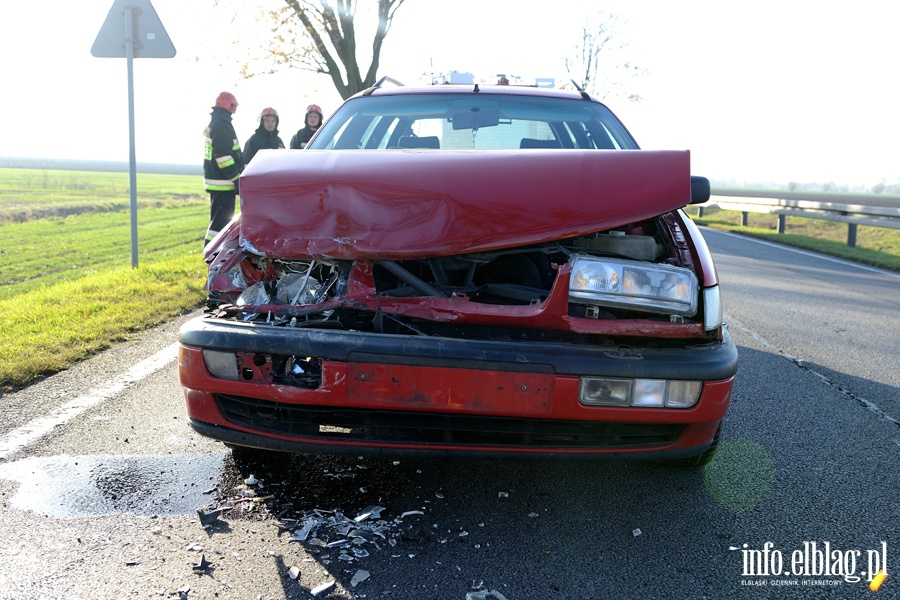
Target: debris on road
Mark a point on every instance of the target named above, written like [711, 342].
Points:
[203, 567]
[359, 577]
[208, 517]
[322, 588]
[485, 595]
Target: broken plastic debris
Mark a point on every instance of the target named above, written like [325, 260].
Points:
[533, 515]
[503, 494]
[208, 517]
[485, 595]
[411, 512]
[294, 572]
[359, 577]
[636, 532]
[300, 536]
[203, 566]
[251, 480]
[195, 548]
[367, 536]
[369, 511]
[322, 588]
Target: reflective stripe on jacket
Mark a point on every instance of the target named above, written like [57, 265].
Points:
[223, 160]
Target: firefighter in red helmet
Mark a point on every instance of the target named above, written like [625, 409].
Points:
[222, 164]
[311, 124]
[265, 136]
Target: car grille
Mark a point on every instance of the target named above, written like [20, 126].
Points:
[383, 426]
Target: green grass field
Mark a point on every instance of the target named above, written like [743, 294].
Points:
[29, 194]
[69, 290]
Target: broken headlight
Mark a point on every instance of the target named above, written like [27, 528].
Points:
[633, 285]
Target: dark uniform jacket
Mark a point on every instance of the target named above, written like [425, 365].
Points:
[223, 161]
[262, 140]
[301, 138]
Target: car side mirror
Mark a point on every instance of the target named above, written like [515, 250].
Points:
[700, 189]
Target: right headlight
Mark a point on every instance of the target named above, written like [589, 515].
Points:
[650, 287]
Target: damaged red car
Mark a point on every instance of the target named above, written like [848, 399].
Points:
[481, 270]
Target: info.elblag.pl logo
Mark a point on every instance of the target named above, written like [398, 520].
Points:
[815, 564]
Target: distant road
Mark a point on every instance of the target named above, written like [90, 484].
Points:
[110, 166]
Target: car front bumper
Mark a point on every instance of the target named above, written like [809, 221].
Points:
[401, 394]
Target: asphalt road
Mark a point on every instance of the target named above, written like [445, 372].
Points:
[100, 478]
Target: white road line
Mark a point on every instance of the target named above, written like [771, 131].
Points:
[22, 436]
[732, 322]
[810, 253]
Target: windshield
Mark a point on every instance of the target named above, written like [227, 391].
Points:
[471, 121]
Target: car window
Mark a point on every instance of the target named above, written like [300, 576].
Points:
[465, 121]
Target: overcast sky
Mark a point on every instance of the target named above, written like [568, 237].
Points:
[764, 92]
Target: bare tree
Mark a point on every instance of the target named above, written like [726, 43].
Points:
[599, 62]
[321, 36]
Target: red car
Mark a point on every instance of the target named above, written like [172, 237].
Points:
[496, 271]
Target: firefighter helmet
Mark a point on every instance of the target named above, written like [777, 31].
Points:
[268, 112]
[227, 101]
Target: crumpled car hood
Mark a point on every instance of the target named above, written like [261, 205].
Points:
[401, 204]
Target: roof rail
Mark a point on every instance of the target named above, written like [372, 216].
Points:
[571, 83]
[380, 83]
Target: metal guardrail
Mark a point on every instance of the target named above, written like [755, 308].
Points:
[875, 210]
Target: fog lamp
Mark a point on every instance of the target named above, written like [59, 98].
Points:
[221, 364]
[598, 391]
[642, 393]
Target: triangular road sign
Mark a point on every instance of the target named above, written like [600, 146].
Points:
[148, 34]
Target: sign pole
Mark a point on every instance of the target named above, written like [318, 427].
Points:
[144, 37]
[132, 161]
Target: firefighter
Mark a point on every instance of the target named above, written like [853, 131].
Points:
[265, 136]
[222, 164]
[311, 124]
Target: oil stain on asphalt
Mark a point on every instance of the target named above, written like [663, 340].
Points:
[82, 486]
[97, 485]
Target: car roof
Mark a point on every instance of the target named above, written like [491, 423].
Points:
[513, 90]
